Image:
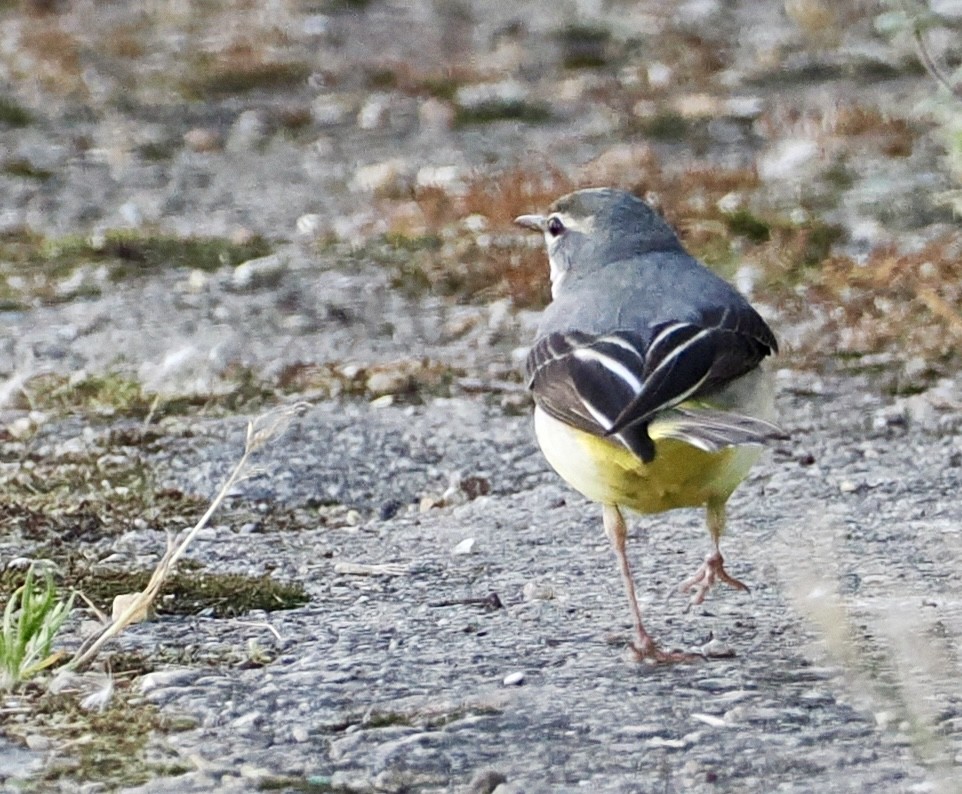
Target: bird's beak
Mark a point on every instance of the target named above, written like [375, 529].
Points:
[534, 222]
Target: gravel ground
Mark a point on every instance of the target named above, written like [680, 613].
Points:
[838, 672]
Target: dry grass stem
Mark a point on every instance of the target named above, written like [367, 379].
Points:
[941, 308]
[260, 431]
[373, 569]
[260, 625]
[934, 70]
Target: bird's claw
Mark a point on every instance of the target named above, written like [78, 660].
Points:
[645, 651]
[711, 571]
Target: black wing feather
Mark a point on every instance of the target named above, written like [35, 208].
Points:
[615, 384]
[688, 360]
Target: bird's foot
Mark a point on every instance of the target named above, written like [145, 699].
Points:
[645, 650]
[711, 571]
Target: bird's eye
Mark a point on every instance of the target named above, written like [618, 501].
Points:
[555, 226]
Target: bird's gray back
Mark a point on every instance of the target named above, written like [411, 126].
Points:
[642, 293]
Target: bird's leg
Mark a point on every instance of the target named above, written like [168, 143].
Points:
[713, 569]
[644, 646]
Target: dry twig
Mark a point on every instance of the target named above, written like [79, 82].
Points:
[260, 431]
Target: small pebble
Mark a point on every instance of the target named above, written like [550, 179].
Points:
[788, 160]
[390, 176]
[449, 178]
[166, 678]
[300, 734]
[37, 742]
[484, 781]
[263, 272]
[247, 132]
[252, 772]
[429, 503]
[514, 679]
[659, 75]
[21, 427]
[246, 720]
[435, 115]
[309, 225]
[474, 486]
[669, 744]
[454, 496]
[202, 140]
[716, 649]
[884, 719]
[710, 719]
[534, 591]
[389, 509]
[197, 281]
[374, 113]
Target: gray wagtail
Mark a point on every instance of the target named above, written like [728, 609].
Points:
[646, 375]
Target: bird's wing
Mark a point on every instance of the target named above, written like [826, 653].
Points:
[615, 384]
[684, 360]
[712, 430]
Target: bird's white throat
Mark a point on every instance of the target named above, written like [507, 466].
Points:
[557, 276]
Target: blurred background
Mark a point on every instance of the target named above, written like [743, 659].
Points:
[811, 150]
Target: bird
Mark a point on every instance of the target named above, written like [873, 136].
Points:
[649, 375]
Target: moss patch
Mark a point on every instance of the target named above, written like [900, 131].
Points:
[407, 380]
[33, 267]
[462, 269]
[666, 126]
[134, 252]
[189, 591]
[318, 783]
[13, 114]
[57, 503]
[158, 151]
[428, 718]
[501, 110]
[99, 395]
[114, 394]
[239, 71]
[24, 169]
[108, 747]
[194, 592]
[440, 82]
[744, 224]
[71, 503]
[584, 46]
[345, 5]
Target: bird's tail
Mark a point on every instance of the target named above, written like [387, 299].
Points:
[713, 430]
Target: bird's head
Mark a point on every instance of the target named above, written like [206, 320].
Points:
[588, 229]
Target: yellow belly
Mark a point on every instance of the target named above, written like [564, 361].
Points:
[679, 476]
